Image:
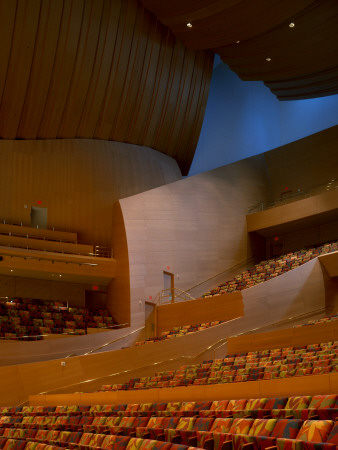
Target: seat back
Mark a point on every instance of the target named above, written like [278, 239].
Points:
[221, 425]
[286, 428]
[301, 402]
[262, 427]
[241, 426]
[315, 430]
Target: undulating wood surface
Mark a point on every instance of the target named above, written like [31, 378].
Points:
[78, 181]
[284, 387]
[221, 307]
[99, 69]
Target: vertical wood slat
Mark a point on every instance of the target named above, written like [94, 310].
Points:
[104, 69]
[119, 68]
[7, 21]
[19, 67]
[42, 68]
[63, 69]
[83, 69]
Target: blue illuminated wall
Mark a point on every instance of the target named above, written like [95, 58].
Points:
[243, 119]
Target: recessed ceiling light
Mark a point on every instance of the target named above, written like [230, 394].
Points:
[291, 25]
[268, 59]
[189, 25]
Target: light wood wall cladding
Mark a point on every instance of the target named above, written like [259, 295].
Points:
[103, 69]
[284, 387]
[221, 307]
[303, 164]
[78, 181]
[194, 228]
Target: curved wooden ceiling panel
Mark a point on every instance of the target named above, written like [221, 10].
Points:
[104, 69]
[303, 60]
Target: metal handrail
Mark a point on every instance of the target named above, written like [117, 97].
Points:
[172, 295]
[214, 347]
[230, 269]
[289, 196]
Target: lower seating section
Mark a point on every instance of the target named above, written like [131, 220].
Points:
[22, 318]
[318, 321]
[295, 423]
[285, 362]
[180, 331]
[271, 268]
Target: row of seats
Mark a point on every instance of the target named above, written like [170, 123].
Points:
[271, 268]
[58, 441]
[285, 362]
[203, 432]
[180, 331]
[29, 318]
[105, 416]
[325, 319]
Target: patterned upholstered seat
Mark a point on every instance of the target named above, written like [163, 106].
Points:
[293, 407]
[312, 432]
[322, 407]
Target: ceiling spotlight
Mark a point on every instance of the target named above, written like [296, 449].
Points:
[268, 59]
[189, 25]
[291, 25]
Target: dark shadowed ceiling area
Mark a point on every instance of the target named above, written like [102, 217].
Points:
[255, 39]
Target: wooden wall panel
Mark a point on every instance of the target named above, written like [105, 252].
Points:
[100, 69]
[195, 226]
[221, 307]
[78, 181]
[286, 387]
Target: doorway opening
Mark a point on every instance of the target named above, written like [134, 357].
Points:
[169, 286]
[38, 217]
